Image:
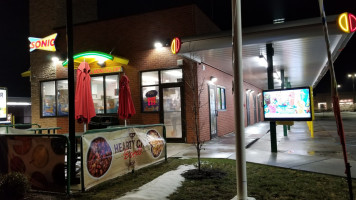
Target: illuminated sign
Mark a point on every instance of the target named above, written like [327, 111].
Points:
[347, 22]
[175, 45]
[106, 70]
[46, 43]
[3, 103]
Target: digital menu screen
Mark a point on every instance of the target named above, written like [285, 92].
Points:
[293, 104]
[3, 103]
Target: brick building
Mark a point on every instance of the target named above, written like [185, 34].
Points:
[130, 39]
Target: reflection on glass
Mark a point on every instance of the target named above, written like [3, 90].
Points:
[48, 98]
[97, 91]
[112, 93]
[62, 97]
[172, 112]
[171, 76]
[150, 96]
[149, 78]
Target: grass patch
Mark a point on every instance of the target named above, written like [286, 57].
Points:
[264, 182]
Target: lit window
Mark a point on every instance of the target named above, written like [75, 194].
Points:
[54, 98]
[221, 98]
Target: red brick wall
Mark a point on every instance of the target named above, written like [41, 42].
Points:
[225, 120]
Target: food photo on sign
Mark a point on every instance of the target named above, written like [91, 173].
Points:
[40, 158]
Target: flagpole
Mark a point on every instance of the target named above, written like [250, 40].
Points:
[335, 98]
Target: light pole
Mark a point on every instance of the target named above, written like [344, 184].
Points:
[353, 86]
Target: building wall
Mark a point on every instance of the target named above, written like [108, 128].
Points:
[326, 98]
[129, 37]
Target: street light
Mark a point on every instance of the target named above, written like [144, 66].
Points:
[353, 85]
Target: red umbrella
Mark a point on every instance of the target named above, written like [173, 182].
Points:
[126, 106]
[84, 106]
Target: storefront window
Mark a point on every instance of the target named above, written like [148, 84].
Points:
[62, 97]
[105, 93]
[112, 93]
[221, 98]
[151, 83]
[171, 76]
[150, 96]
[48, 90]
[149, 78]
[150, 91]
[97, 91]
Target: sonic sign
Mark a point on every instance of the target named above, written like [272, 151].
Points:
[347, 22]
[175, 45]
[46, 43]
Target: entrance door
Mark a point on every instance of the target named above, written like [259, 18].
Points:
[213, 111]
[172, 113]
[248, 108]
[258, 107]
[254, 109]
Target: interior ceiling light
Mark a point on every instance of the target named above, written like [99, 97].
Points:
[278, 21]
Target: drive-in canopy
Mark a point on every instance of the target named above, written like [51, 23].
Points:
[299, 49]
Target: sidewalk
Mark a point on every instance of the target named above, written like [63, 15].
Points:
[321, 154]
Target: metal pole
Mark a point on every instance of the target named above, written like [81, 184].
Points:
[334, 94]
[71, 93]
[353, 87]
[238, 100]
[272, 125]
[283, 86]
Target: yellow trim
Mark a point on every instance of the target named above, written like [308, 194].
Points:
[343, 22]
[26, 73]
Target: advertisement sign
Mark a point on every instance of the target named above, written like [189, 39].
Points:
[107, 155]
[3, 103]
[46, 43]
[347, 22]
[292, 104]
[39, 158]
[175, 45]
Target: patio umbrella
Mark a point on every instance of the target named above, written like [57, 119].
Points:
[84, 106]
[126, 106]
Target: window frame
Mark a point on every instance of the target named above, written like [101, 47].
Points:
[104, 90]
[221, 100]
[159, 85]
[55, 98]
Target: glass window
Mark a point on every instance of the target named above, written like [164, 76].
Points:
[171, 76]
[62, 97]
[97, 92]
[149, 78]
[221, 98]
[48, 90]
[112, 93]
[150, 96]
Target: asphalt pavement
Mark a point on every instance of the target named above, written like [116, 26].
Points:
[298, 150]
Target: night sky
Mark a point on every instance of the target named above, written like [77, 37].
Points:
[15, 30]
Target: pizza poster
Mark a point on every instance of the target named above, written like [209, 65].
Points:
[107, 155]
[41, 159]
